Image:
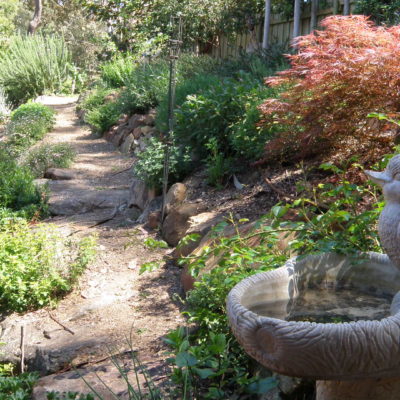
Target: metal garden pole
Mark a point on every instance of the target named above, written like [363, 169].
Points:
[174, 50]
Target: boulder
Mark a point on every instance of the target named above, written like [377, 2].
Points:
[122, 132]
[110, 133]
[60, 174]
[176, 195]
[137, 132]
[127, 145]
[153, 220]
[150, 118]
[139, 194]
[123, 119]
[177, 221]
[136, 121]
[143, 143]
[147, 130]
[200, 225]
[154, 206]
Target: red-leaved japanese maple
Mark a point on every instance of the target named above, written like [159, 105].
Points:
[339, 75]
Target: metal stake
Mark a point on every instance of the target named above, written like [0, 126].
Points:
[174, 50]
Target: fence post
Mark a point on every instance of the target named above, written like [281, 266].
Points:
[297, 18]
[314, 13]
[267, 21]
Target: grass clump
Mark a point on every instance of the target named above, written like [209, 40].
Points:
[29, 123]
[37, 265]
[46, 156]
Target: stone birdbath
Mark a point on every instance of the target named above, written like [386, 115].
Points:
[329, 318]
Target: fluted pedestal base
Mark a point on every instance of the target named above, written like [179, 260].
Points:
[372, 389]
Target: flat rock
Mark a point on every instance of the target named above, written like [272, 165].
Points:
[78, 197]
[71, 381]
[60, 174]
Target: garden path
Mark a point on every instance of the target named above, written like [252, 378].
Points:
[112, 300]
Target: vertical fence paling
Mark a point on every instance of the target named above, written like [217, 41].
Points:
[280, 31]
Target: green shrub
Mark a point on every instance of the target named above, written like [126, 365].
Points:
[212, 113]
[103, 117]
[29, 123]
[115, 73]
[246, 137]
[17, 387]
[150, 163]
[46, 156]
[37, 265]
[195, 84]
[34, 65]
[17, 190]
[94, 98]
[145, 87]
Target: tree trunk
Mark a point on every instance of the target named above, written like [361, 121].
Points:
[37, 17]
[297, 18]
[346, 7]
[314, 14]
[267, 21]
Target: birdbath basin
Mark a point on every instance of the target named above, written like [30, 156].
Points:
[328, 318]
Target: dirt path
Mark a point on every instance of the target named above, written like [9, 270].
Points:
[112, 300]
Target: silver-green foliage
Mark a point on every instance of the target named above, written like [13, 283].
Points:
[34, 65]
[40, 158]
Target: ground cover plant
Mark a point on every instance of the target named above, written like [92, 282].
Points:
[339, 75]
[28, 124]
[17, 387]
[37, 265]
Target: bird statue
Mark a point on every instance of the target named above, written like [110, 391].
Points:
[389, 220]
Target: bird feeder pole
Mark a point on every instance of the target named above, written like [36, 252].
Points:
[175, 44]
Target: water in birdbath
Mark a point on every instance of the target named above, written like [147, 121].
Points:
[328, 306]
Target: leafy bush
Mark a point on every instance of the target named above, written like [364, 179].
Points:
[150, 163]
[213, 112]
[37, 265]
[338, 77]
[116, 72]
[380, 11]
[34, 65]
[29, 123]
[17, 190]
[46, 156]
[17, 387]
[94, 98]
[103, 117]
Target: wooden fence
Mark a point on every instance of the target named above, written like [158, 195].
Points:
[281, 31]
